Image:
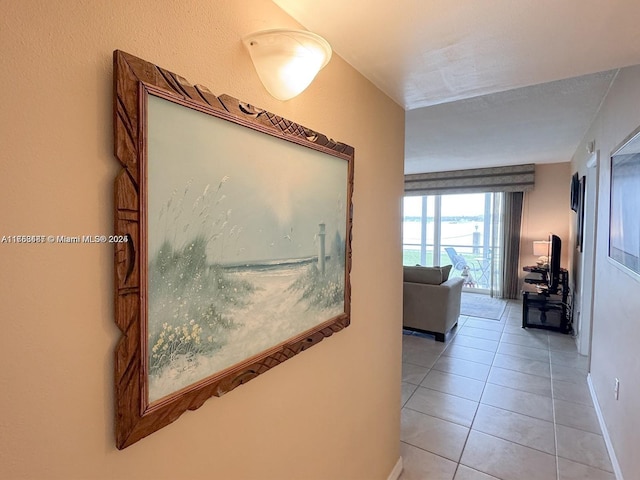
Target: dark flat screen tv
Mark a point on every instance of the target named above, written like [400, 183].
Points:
[555, 251]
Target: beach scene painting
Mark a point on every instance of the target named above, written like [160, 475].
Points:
[246, 243]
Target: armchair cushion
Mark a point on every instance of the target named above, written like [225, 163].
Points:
[446, 270]
[428, 275]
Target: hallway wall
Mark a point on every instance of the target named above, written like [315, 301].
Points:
[616, 302]
[330, 412]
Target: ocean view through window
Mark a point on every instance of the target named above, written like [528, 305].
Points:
[452, 229]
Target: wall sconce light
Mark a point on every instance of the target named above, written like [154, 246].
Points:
[287, 61]
[541, 250]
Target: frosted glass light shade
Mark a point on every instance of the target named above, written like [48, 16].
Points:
[287, 61]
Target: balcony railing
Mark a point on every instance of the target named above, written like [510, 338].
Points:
[476, 258]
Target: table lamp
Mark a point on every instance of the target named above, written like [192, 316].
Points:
[541, 249]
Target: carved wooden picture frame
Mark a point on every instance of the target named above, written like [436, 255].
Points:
[238, 253]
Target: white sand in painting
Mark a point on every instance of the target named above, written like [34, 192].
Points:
[271, 316]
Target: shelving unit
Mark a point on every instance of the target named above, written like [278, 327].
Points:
[544, 309]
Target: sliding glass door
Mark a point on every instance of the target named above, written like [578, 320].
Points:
[418, 230]
[460, 230]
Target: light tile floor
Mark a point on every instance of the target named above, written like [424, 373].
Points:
[497, 401]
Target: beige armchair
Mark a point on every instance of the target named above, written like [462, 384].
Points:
[431, 305]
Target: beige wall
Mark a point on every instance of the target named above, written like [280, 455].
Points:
[332, 412]
[616, 300]
[546, 210]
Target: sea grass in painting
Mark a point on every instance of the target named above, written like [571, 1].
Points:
[241, 256]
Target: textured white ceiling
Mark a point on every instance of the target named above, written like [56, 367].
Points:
[425, 53]
[537, 124]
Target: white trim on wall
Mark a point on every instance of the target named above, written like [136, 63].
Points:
[588, 259]
[605, 433]
[397, 470]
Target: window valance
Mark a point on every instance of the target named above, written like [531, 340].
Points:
[513, 178]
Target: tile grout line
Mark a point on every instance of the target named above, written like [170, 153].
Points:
[485, 383]
[416, 389]
[553, 412]
[479, 400]
[502, 332]
[431, 453]
[439, 418]
[467, 437]
[430, 368]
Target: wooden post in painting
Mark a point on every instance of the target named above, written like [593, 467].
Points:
[321, 254]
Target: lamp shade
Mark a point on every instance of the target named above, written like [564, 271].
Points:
[540, 247]
[287, 61]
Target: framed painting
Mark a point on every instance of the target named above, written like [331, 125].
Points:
[239, 243]
[624, 221]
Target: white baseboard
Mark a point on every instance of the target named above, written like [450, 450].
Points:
[397, 470]
[605, 433]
